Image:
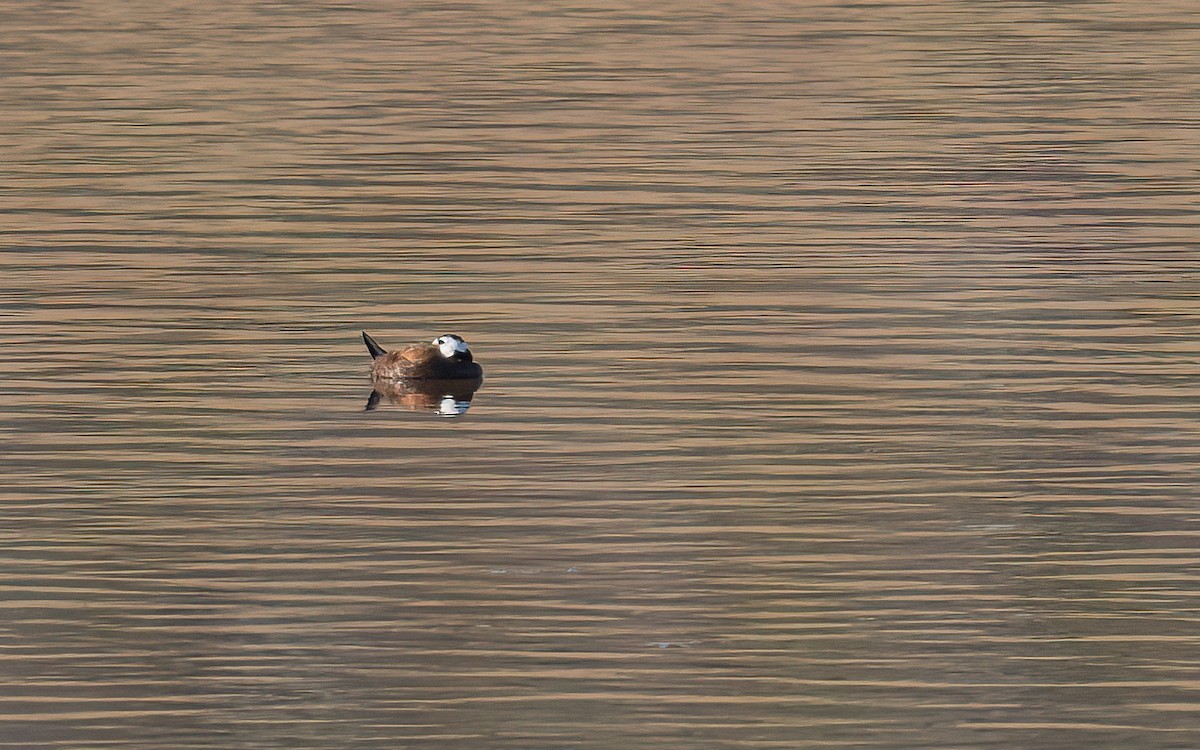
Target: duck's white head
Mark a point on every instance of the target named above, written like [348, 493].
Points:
[451, 345]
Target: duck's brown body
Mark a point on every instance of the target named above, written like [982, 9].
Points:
[420, 362]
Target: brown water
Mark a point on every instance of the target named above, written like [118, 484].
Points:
[841, 375]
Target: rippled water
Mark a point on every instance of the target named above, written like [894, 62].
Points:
[841, 375]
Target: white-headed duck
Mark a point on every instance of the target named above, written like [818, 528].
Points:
[445, 358]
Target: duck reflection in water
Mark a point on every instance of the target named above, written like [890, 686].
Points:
[441, 376]
[447, 398]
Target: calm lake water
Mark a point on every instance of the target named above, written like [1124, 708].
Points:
[841, 371]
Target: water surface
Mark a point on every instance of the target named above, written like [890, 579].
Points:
[840, 375]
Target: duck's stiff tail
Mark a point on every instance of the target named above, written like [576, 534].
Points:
[373, 346]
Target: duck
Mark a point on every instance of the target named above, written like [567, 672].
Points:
[445, 358]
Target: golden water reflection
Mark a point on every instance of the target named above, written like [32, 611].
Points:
[847, 350]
